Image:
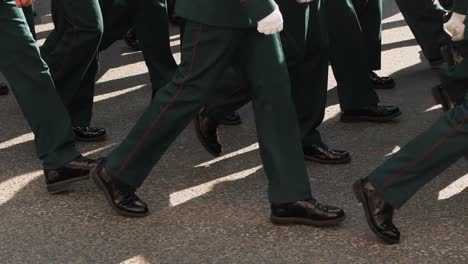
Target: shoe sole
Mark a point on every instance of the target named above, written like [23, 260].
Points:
[303, 221]
[357, 119]
[333, 162]
[87, 140]
[360, 197]
[202, 140]
[64, 186]
[97, 180]
[439, 99]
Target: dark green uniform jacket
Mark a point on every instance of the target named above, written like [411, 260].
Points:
[225, 13]
[460, 6]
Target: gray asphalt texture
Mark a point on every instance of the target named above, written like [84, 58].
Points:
[218, 213]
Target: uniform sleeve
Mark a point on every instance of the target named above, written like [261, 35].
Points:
[258, 9]
[460, 6]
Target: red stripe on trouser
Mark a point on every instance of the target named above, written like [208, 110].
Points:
[158, 118]
[423, 156]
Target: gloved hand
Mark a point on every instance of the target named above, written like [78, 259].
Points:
[455, 27]
[358, 4]
[271, 24]
[24, 3]
[304, 1]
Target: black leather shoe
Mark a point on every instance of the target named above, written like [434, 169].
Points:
[207, 133]
[131, 40]
[309, 212]
[373, 113]
[321, 153]
[59, 180]
[441, 97]
[89, 134]
[3, 89]
[232, 119]
[124, 203]
[381, 82]
[379, 214]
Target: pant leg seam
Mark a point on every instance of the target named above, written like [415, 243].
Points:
[422, 157]
[166, 107]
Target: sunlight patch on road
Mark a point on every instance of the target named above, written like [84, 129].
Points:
[136, 260]
[17, 140]
[432, 108]
[395, 150]
[454, 188]
[331, 112]
[186, 195]
[99, 149]
[106, 96]
[230, 155]
[127, 70]
[10, 187]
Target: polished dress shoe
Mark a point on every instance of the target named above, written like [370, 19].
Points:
[3, 89]
[441, 97]
[381, 82]
[232, 119]
[379, 214]
[89, 134]
[308, 212]
[373, 113]
[59, 180]
[124, 203]
[207, 133]
[321, 153]
[131, 40]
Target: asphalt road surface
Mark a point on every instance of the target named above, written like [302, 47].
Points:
[207, 210]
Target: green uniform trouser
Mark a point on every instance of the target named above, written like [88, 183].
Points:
[305, 45]
[370, 19]
[150, 20]
[71, 50]
[423, 158]
[425, 19]
[29, 15]
[349, 56]
[206, 52]
[32, 85]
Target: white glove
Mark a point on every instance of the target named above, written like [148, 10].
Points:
[455, 27]
[271, 24]
[304, 1]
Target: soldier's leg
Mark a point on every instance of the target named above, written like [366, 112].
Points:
[370, 19]
[425, 19]
[81, 108]
[276, 120]
[423, 158]
[305, 45]
[349, 59]
[73, 46]
[117, 18]
[232, 93]
[29, 15]
[206, 52]
[152, 30]
[32, 85]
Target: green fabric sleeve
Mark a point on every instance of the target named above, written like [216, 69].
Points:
[460, 6]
